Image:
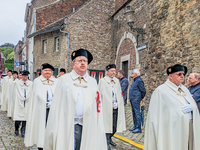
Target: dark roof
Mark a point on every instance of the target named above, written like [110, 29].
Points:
[60, 24]
[121, 7]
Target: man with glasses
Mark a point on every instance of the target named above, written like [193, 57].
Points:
[173, 117]
[75, 120]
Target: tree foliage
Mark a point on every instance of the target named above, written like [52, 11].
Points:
[6, 51]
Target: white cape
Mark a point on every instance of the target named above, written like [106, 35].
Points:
[5, 95]
[167, 127]
[60, 126]
[105, 89]
[19, 104]
[36, 117]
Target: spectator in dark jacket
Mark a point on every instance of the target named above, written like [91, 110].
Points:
[194, 87]
[136, 94]
[124, 84]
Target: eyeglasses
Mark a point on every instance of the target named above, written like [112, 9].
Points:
[82, 60]
[180, 74]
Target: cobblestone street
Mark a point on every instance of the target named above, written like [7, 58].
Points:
[11, 142]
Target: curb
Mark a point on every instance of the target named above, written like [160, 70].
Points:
[129, 141]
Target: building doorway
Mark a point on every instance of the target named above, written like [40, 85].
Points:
[125, 68]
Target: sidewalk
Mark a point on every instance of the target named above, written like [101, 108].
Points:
[136, 137]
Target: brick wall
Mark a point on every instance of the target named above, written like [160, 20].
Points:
[119, 3]
[90, 28]
[18, 58]
[52, 13]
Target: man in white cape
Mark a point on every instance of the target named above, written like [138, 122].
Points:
[40, 102]
[5, 95]
[10, 100]
[173, 121]
[112, 104]
[75, 121]
[21, 95]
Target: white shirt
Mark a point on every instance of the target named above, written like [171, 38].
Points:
[49, 95]
[78, 117]
[114, 98]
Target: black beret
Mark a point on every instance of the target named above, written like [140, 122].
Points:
[46, 65]
[82, 52]
[25, 73]
[176, 68]
[10, 71]
[15, 72]
[110, 66]
[62, 70]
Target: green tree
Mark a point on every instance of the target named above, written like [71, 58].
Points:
[6, 51]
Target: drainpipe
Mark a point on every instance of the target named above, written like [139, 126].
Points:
[67, 49]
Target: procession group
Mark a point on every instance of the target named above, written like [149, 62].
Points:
[72, 112]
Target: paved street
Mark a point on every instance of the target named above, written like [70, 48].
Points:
[8, 140]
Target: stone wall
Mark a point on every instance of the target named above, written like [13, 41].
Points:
[90, 28]
[173, 36]
[56, 59]
[18, 57]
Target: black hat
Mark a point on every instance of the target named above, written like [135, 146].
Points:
[46, 65]
[176, 68]
[62, 70]
[82, 52]
[15, 72]
[10, 71]
[25, 73]
[110, 66]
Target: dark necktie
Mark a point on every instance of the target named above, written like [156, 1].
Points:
[24, 94]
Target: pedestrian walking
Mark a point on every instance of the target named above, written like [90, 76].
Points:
[5, 95]
[173, 117]
[21, 97]
[112, 104]
[124, 84]
[136, 94]
[75, 120]
[194, 88]
[40, 102]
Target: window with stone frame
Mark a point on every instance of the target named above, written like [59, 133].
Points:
[44, 46]
[56, 44]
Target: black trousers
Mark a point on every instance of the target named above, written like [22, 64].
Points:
[17, 124]
[109, 135]
[77, 136]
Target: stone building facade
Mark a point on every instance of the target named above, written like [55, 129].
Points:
[18, 55]
[89, 27]
[172, 35]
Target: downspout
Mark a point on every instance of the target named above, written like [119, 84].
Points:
[67, 49]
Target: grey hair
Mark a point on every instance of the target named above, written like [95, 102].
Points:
[137, 71]
[196, 75]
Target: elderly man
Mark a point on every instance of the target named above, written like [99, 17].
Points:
[21, 95]
[136, 94]
[173, 118]
[112, 104]
[124, 84]
[194, 87]
[39, 106]
[75, 120]
[5, 95]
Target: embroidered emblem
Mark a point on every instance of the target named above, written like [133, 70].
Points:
[170, 70]
[74, 54]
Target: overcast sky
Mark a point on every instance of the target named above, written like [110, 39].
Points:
[12, 23]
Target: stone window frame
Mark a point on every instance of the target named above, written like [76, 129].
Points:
[56, 44]
[44, 46]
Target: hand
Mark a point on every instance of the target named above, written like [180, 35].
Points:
[187, 108]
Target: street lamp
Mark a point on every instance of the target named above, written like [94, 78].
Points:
[129, 14]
